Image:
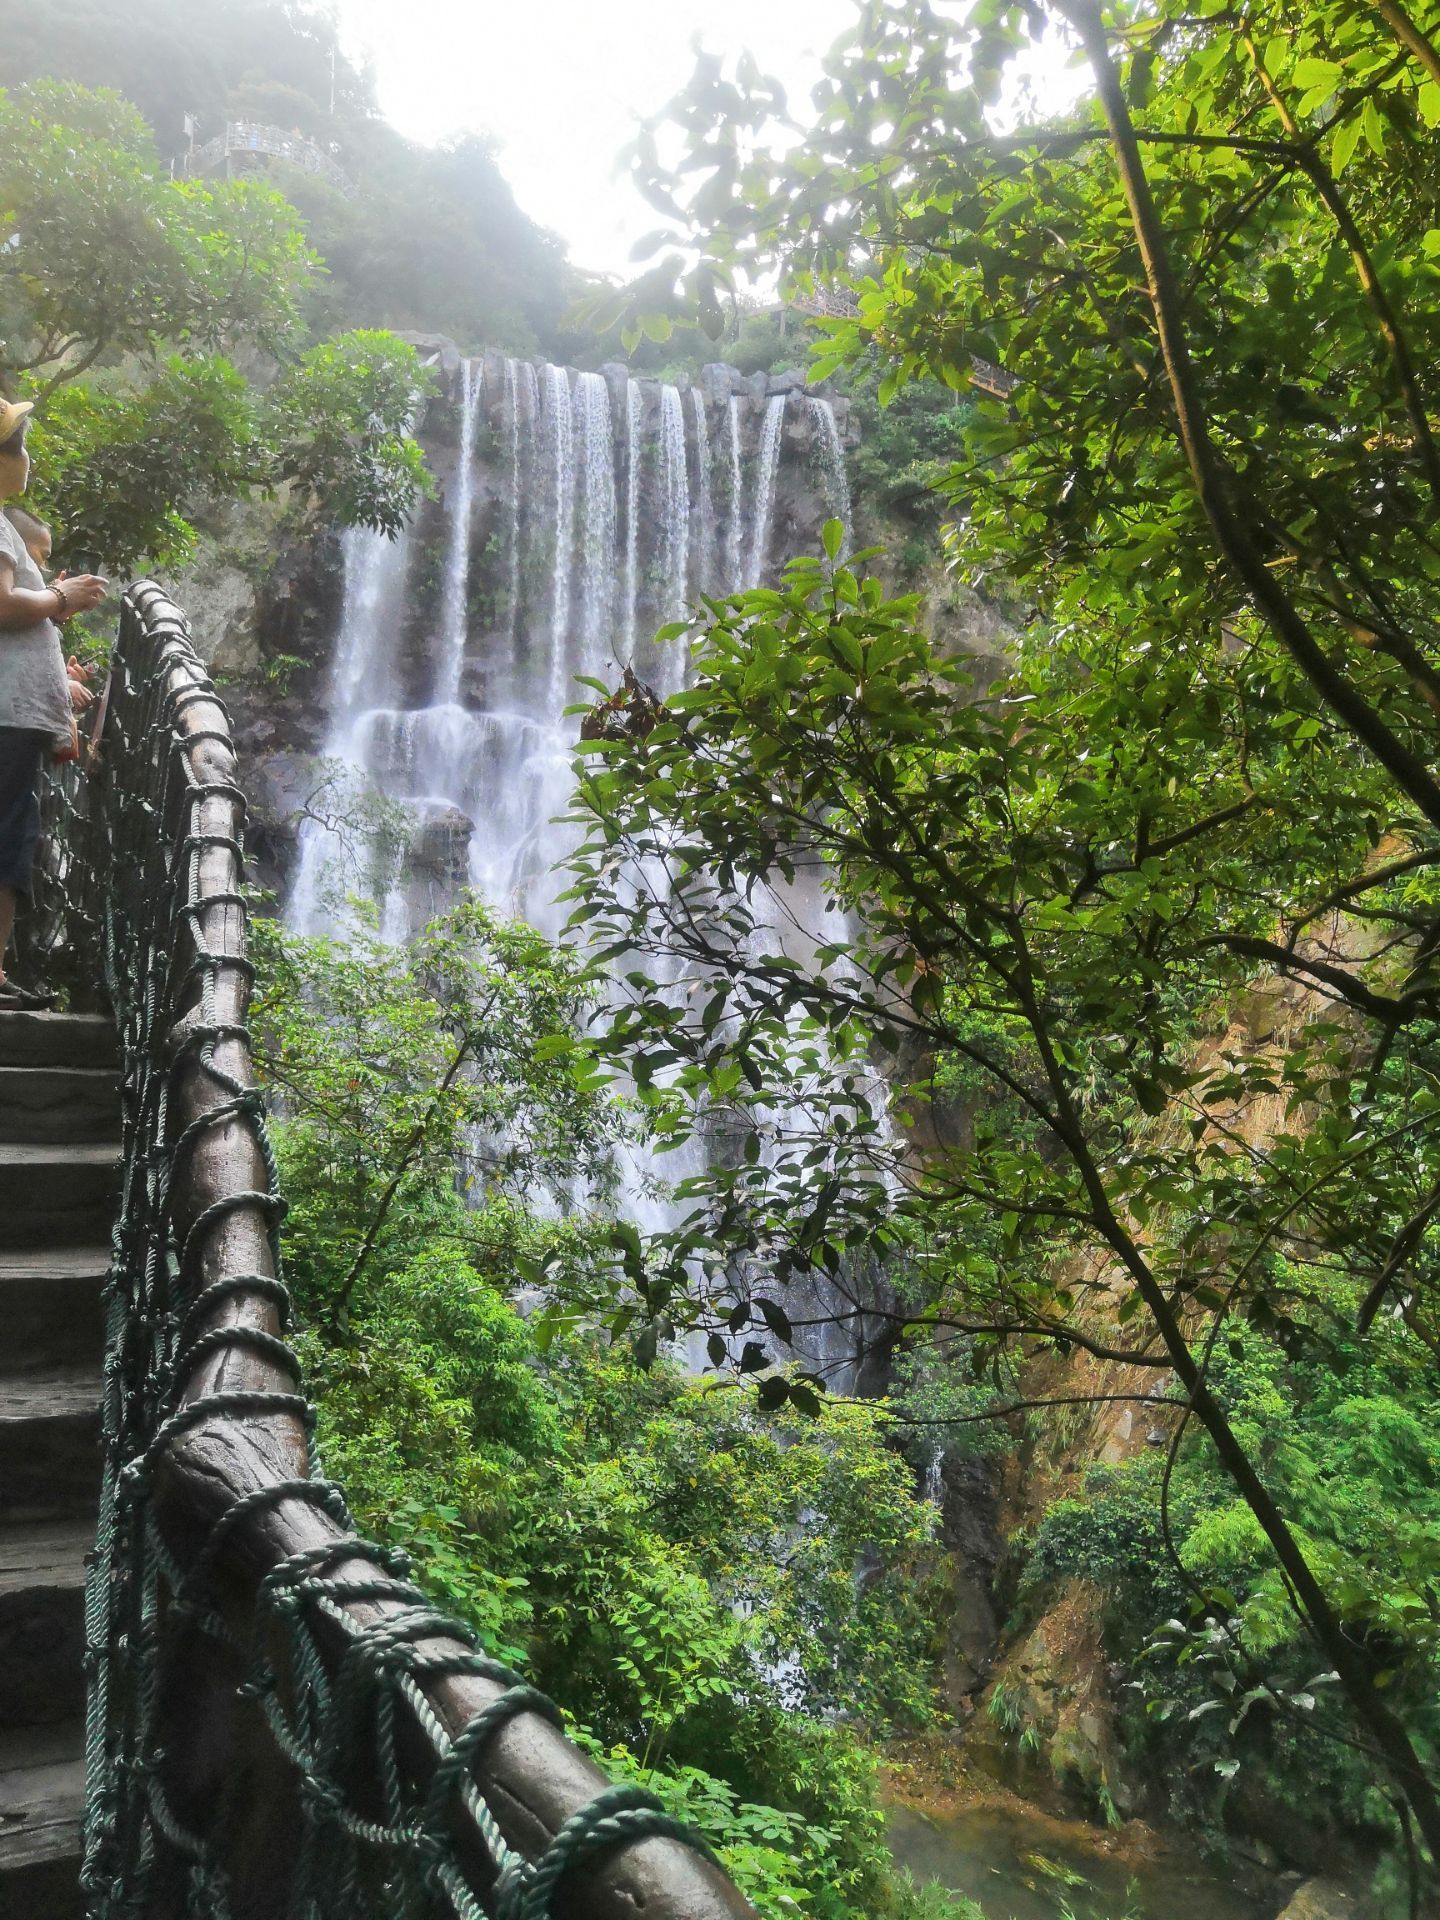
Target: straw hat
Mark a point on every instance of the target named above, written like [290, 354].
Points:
[13, 414]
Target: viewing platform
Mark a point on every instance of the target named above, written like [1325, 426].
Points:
[246, 144]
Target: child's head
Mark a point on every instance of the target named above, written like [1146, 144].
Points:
[33, 532]
[14, 459]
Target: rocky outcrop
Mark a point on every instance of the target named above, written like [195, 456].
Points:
[1320, 1900]
[970, 1535]
[1048, 1719]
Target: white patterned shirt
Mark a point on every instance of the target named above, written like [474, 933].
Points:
[34, 692]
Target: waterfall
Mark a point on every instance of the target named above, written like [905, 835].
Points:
[734, 514]
[596, 524]
[373, 570]
[932, 1481]
[705, 505]
[497, 754]
[830, 456]
[633, 408]
[484, 769]
[560, 448]
[454, 608]
[515, 377]
[767, 466]
[674, 506]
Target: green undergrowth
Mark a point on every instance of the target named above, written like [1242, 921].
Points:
[674, 1567]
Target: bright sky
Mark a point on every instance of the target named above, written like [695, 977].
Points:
[560, 84]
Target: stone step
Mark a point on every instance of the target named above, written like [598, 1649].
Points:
[50, 1444]
[51, 1307]
[67, 1104]
[42, 1797]
[42, 1620]
[57, 1040]
[56, 1195]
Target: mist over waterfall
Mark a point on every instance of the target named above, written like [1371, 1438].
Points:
[577, 514]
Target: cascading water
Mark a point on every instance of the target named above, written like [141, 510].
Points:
[560, 439]
[830, 457]
[595, 539]
[735, 506]
[673, 503]
[549, 463]
[363, 663]
[522, 408]
[932, 1481]
[454, 611]
[704, 501]
[633, 409]
[767, 467]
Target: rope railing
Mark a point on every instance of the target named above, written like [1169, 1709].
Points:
[279, 1722]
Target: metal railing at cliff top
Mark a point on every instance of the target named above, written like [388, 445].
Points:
[279, 1722]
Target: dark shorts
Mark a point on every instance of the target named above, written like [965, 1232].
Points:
[21, 758]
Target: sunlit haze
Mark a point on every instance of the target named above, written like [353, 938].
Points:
[559, 86]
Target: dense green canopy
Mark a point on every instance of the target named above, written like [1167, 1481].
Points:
[1207, 466]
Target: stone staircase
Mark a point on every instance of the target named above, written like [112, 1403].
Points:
[59, 1153]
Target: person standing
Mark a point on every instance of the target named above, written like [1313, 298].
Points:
[37, 698]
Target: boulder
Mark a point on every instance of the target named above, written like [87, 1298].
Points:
[441, 847]
[1320, 1900]
[1049, 1711]
[435, 350]
[718, 382]
[219, 602]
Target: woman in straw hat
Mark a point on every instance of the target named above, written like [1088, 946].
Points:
[36, 696]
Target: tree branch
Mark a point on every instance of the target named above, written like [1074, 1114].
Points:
[1233, 537]
[1379, 1006]
[1216, 485]
[1409, 35]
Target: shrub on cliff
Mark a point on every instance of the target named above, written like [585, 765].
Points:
[122, 294]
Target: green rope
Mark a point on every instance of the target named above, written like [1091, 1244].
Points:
[126, 896]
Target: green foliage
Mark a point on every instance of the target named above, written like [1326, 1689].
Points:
[121, 289]
[904, 449]
[429, 239]
[1203, 451]
[99, 446]
[930, 1900]
[333, 415]
[412, 1076]
[110, 254]
[669, 1562]
[171, 58]
[432, 241]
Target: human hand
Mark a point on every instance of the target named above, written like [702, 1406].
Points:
[76, 671]
[80, 696]
[79, 592]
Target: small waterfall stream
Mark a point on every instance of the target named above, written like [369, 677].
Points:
[735, 496]
[704, 533]
[673, 506]
[632, 511]
[560, 439]
[595, 540]
[830, 456]
[455, 611]
[767, 462]
[601, 504]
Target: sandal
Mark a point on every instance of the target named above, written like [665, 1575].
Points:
[15, 998]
